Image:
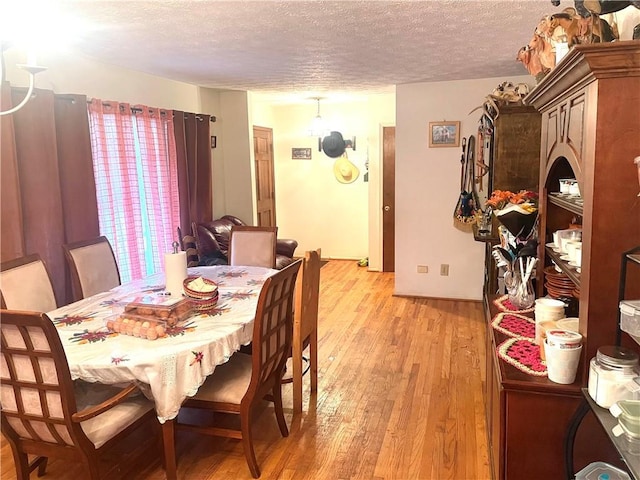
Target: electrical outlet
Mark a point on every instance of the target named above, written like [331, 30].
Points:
[423, 269]
[444, 270]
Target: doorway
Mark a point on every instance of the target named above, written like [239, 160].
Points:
[265, 179]
[388, 198]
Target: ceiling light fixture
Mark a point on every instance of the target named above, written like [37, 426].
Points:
[318, 128]
[30, 67]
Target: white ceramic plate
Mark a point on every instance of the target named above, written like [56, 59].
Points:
[553, 247]
[574, 264]
[566, 258]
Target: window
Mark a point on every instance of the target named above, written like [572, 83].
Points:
[135, 169]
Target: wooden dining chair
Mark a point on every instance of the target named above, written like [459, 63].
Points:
[45, 414]
[189, 246]
[93, 267]
[253, 246]
[25, 284]
[238, 386]
[305, 325]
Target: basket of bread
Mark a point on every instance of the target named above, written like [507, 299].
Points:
[201, 292]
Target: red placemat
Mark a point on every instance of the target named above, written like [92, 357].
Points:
[505, 305]
[524, 355]
[514, 325]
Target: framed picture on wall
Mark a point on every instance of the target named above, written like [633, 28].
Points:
[301, 153]
[444, 134]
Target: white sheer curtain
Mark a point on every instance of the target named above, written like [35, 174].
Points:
[136, 176]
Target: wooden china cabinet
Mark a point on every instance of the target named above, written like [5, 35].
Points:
[514, 166]
[590, 106]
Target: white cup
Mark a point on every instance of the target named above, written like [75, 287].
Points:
[562, 363]
[574, 188]
[577, 253]
[569, 235]
[565, 185]
[571, 247]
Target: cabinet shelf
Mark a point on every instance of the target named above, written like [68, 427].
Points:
[570, 271]
[634, 257]
[573, 204]
[608, 421]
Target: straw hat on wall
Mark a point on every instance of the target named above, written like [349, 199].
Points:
[344, 170]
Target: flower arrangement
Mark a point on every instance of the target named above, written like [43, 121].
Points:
[517, 212]
[527, 199]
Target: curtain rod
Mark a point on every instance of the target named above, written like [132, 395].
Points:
[71, 99]
[212, 118]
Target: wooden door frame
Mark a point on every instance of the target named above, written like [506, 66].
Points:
[258, 216]
[388, 253]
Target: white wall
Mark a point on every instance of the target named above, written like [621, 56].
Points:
[428, 186]
[81, 75]
[311, 205]
[236, 148]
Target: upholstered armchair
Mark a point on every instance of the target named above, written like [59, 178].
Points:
[212, 239]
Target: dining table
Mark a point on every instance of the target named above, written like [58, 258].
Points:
[170, 368]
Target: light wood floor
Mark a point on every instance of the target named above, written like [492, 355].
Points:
[400, 396]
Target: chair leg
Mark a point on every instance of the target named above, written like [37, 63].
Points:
[92, 468]
[21, 461]
[279, 410]
[313, 360]
[41, 463]
[247, 443]
[296, 359]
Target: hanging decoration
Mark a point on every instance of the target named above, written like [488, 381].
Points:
[344, 170]
[468, 204]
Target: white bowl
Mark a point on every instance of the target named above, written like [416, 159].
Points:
[570, 323]
[549, 304]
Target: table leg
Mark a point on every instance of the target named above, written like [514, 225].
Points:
[169, 445]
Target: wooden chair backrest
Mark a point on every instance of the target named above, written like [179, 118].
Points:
[25, 284]
[37, 392]
[93, 267]
[307, 295]
[45, 414]
[253, 246]
[272, 330]
[188, 245]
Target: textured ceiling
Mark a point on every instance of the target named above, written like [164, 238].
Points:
[310, 47]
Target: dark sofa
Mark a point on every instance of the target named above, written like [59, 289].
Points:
[212, 240]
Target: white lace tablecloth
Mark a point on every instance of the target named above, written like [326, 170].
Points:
[168, 369]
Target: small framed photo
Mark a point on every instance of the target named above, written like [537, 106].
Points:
[444, 134]
[301, 153]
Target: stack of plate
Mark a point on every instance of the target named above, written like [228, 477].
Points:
[557, 283]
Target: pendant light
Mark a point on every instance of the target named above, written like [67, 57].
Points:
[318, 128]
